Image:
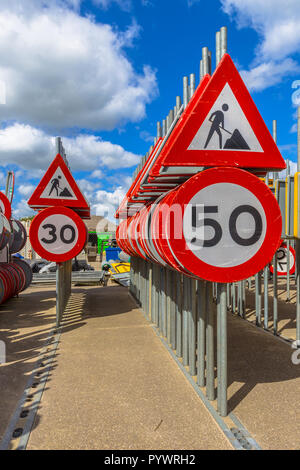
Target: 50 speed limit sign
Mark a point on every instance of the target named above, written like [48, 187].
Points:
[231, 225]
[57, 234]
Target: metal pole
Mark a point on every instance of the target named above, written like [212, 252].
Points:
[192, 328]
[205, 60]
[223, 34]
[192, 84]
[185, 91]
[201, 70]
[185, 351]
[201, 332]
[218, 47]
[258, 298]
[222, 348]
[173, 310]
[298, 243]
[159, 130]
[210, 372]
[179, 314]
[59, 292]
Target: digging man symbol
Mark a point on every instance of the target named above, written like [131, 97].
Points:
[217, 119]
[55, 185]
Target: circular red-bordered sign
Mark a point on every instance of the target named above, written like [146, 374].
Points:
[5, 206]
[57, 234]
[282, 261]
[231, 225]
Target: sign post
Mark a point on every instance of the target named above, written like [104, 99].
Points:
[57, 233]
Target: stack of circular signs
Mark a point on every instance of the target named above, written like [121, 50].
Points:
[15, 276]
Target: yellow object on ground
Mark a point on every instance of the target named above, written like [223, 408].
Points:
[120, 268]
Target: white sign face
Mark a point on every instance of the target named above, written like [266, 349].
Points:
[224, 225]
[226, 127]
[58, 187]
[2, 207]
[58, 234]
[282, 260]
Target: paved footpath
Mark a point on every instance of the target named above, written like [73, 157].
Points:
[115, 386]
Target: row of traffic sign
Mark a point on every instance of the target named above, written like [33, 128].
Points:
[220, 126]
[222, 225]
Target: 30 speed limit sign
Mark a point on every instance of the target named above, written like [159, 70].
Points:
[57, 234]
[231, 225]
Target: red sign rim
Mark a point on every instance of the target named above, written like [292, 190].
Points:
[38, 220]
[292, 269]
[270, 244]
[7, 205]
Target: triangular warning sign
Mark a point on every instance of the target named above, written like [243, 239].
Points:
[223, 128]
[58, 188]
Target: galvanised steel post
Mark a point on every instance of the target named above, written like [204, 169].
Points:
[275, 295]
[275, 277]
[201, 304]
[173, 309]
[192, 327]
[218, 47]
[233, 301]
[59, 293]
[179, 297]
[201, 70]
[178, 104]
[150, 290]
[223, 35]
[222, 348]
[298, 244]
[210, 369]
[266, 297]
[185, 91]
[205, 60]
[168, 303]
[159, 130]
[288, 229]
[192, 84]
[157, 296]
[186, 293]
[258, 298]
[162, 309]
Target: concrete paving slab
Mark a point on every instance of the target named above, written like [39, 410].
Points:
[25, 324]
[264, 385]
[116, 386]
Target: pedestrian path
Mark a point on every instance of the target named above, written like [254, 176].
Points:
[115, 386]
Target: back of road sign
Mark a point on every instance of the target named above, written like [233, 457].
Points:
[58, 188]
[223, 128]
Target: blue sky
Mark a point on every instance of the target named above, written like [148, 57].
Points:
[101, 73]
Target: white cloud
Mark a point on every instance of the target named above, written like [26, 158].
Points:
[33, 149]
[22, 210]
[106, 203]
[71, 72]
[277, 24]
[123, 4]
[97, 174]
[268, 74]
[26, 189]
[278, 27]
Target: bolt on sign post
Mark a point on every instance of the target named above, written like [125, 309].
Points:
[57, 233]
